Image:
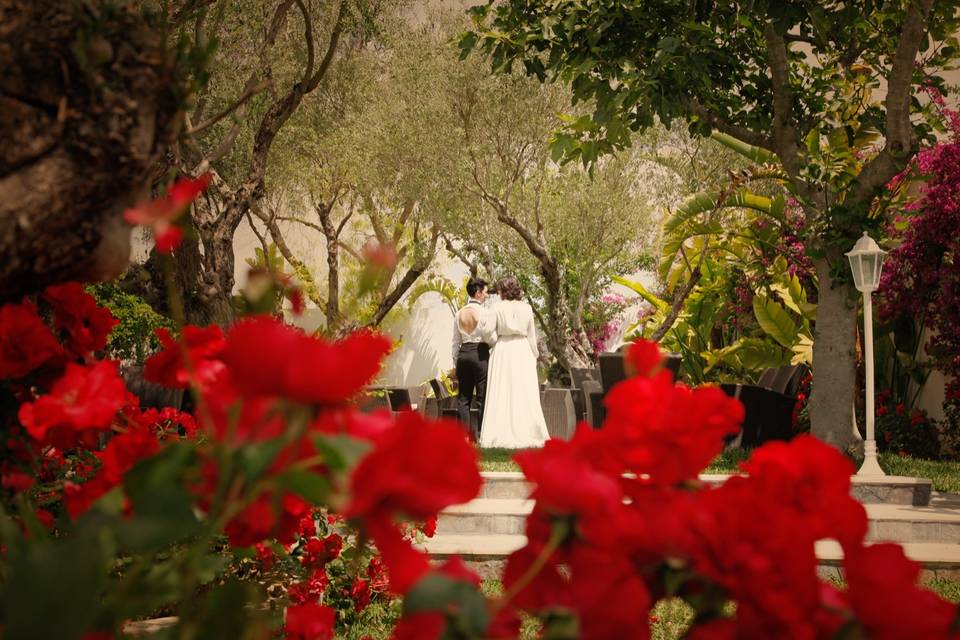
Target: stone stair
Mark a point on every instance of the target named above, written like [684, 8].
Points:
[905, 510]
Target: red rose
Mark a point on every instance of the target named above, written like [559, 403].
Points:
[195, 357]
[25, 342]
[267, 357]
[77, 313]
[264, 518]
[360, 592]
[309, 621]
[85, 399]
[118, 457]
[317, 552]
[643, 358]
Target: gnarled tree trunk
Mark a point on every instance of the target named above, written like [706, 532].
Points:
[86, 109]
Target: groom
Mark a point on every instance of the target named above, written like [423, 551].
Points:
[471, 353]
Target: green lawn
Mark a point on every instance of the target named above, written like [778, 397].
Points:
[944, 474]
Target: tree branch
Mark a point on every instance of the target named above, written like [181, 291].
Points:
[724, 126]
[785, 139]
[901, 141]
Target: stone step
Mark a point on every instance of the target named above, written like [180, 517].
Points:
[939, 522]
[487, 553]
[883, 490]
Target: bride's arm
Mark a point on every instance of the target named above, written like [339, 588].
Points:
[532, 334]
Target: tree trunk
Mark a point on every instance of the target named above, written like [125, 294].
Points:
[834, 359]
[86, 109]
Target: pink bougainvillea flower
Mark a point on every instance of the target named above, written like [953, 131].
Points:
[25, 342]
[160, 215]
[382, 255]
[77, 313]
[85, 399]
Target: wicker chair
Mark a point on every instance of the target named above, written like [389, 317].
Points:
[559, 412]
[768, 405]
[612, 373]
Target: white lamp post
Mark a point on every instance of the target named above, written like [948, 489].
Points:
[866, 261]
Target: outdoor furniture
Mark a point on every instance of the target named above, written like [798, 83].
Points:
[399, 399]
[768, 405]
[373, 399]
[559, 412]
[447, 406]
[578, 376]
[612, 373]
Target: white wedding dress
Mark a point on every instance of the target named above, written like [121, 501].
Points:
[512, 416]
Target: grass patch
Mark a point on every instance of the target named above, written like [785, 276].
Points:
[944, 474]
[498, 459]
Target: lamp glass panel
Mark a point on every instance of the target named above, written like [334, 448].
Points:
[868, 262]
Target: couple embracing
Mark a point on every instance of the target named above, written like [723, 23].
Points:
[495, 351]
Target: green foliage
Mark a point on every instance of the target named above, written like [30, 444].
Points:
[455, 297]
[133, 338]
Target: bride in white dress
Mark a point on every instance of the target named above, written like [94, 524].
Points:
[512, 416]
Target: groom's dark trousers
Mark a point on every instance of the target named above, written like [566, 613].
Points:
[472, 379]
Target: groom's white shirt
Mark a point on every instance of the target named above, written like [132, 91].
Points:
[476, 335]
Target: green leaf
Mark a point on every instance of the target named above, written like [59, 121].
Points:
[162, 508]
[758, 155]
[460, 599]
[637, 287]
[775, 321]
[310, 486]
[341, 452]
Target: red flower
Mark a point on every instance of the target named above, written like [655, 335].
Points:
[667, 430]
[566, 483]
[266, 556]
[25, 342]
[360, 592]
[161, 214]
[430, 527]
[85, 399]
[886, 599]
[317, 552]
[17, 481]
[120, 455]
[309, 621]
[267, 357]
[267, 517]
[643, 358]
[195, 357]
[417, 469]
[430, 624]
[813, 478]
[77, 313]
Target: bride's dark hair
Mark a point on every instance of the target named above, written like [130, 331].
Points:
[510, 289]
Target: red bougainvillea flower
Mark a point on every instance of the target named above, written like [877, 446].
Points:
[350, 422]
[267, 357]
[417, 469]
[309, 621]
[610, 598]
[667, 430]
[77, 313]
[161, 214]
[814, 479]
[643, 358]
[25, 342]
[85, 399]
[888, 603]
[566, 484]
[770, 571]
[118, 457]
[311, 590]
[194, 357]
